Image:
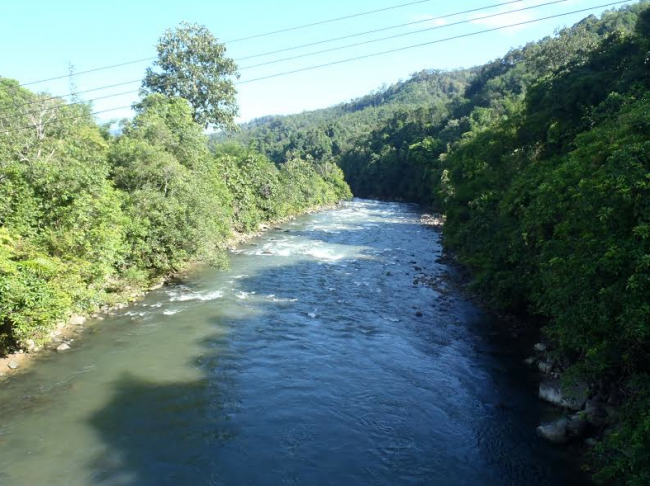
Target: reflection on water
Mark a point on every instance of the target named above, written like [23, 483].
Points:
[314, 360]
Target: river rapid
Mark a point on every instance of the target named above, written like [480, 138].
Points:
[313, 360]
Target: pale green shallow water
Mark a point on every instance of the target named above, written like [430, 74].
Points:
[306, 367]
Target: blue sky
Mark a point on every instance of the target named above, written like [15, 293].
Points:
[42, 39]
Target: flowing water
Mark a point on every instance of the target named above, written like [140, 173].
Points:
[305, 363]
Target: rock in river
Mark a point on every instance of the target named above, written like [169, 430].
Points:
[573, 397]
[563, 430]
[62, 348]
[12, 365]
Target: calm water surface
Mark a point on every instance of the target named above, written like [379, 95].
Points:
[303, 364]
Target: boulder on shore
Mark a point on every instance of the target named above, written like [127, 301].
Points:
[555, 432]
[76, 320]
[563, 430]
[62, 348]
[573, 397]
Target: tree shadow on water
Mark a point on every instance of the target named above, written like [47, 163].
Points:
[161, 434]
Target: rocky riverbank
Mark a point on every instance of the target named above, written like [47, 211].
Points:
[585, 411]
[65, 334]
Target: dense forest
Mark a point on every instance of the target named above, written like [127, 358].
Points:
[540, 161]
[88, 218]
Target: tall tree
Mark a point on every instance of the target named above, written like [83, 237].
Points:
[192, 64]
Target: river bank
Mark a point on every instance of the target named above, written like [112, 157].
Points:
[65, 333]
[584, 412]
[313, 359]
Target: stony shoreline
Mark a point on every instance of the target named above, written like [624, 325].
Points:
[584, 410]
[65, 333]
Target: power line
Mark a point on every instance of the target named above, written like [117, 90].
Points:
[268, 53]
[381, 39]
[361, 43]
[26, 127]
[60, 107]
[100, 88]
[321, 22]
[256, 55]
[447, 39]
[383, 29]
[42, 100]
[241, 39]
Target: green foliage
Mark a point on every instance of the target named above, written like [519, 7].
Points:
[541, 162]
[87, 218]
[192, 65]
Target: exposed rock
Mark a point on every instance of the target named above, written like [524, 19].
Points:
[555, 432]
[417, 269]
[563, 430]
[76, 320]
[389, 274]
[2, 373]
[530, 361]
[419, 314]
[572, 397]
[266, 252]
[545, 366]
[13, 365]
[157, 285]
[540, 347]
[61, 348]
[264, 227]
[576, 426]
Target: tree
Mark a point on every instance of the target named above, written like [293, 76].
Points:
[193, 66]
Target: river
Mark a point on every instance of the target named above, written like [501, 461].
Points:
[313, 360]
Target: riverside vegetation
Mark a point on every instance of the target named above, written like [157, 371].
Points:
[87, 218]
[540, 161]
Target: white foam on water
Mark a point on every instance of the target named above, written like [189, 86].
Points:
[324, 254]
[171, 312]
[201, 296]
[284, 300]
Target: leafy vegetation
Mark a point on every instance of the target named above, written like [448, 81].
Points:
[192, 65]
[541, 162]
[88, 218]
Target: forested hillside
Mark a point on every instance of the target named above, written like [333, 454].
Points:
[541, 162]
[88, 218]
[328, 133]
